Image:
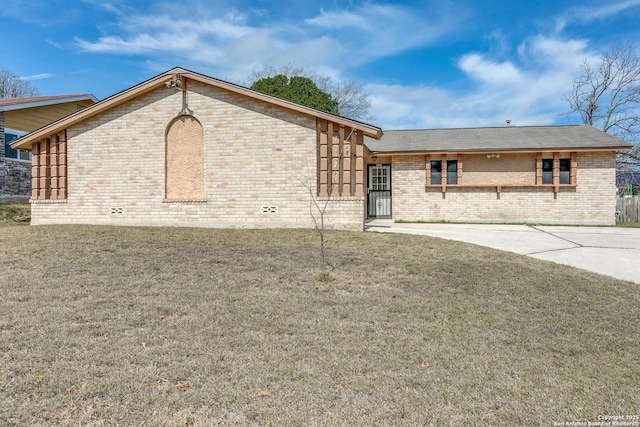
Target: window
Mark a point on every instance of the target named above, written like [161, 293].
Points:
[9, 153]
[547, 171]
[452, 171]
[436, 172]
[565, 171]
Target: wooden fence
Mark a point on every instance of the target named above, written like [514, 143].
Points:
[628, 209]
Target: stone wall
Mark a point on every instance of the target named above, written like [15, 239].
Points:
[15, 175]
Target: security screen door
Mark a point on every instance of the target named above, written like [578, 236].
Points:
[379, 191]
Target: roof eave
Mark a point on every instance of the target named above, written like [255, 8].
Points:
[498, 150]
[47, 102]
[157, 81]
[368, 130]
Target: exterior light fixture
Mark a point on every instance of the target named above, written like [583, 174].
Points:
[175, 82]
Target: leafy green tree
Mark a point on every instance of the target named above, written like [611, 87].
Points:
[301, 90]
[351, 99]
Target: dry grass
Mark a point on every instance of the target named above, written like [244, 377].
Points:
[200, 327]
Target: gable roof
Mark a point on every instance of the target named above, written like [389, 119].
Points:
[10, 104]
[525, 138]
[161, 80]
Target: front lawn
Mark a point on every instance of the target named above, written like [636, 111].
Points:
[199, 327]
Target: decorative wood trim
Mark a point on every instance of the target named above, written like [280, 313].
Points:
[556, 171]
[335, 161]
[352, 162]
[340, 160]
[443, 173]
[538, 168]
[324, 159]
[427, 170]
[53, 169]
[49, 168]
[573, 180]
[43, 185]
[35, 170]
[360, 164]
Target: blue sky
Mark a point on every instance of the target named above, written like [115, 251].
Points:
[425, 64]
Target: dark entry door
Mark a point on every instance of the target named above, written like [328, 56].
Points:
[379, 191]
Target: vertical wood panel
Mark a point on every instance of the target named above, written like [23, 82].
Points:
[324, 159]
[443, 173]
[427, 170]
[352, 148]
[330, 159]
[35, 170]
[556, 172]
[62, 165]
[360, 165]
[53, 168]
[43, 184]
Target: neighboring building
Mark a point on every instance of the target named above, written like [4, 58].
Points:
[628, 183]
[19, 116]
[187, 149]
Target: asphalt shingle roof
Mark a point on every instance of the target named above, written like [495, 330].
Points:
[525, 138]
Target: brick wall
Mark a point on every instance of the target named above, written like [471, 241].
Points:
[255, 155]
[591, 201]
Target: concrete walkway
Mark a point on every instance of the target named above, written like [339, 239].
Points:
[613, 251]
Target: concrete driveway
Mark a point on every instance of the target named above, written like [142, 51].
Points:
[613, 251]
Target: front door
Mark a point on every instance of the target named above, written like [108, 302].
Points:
[379, 191]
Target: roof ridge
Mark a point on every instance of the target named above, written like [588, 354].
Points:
[485, 127]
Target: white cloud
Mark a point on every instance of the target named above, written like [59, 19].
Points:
[407, 107]
[528, 90]
[490, 72]
[373, 31]
[38, 76]
[227, 42]
[603, 11]
[586, 14]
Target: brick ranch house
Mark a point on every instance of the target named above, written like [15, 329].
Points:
[185, 149]
[19, 116]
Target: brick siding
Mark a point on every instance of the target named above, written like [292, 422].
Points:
[591, 201]
[255, 156]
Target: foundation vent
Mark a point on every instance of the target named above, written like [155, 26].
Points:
[116, 210]
[269, 209]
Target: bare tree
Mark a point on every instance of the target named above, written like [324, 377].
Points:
[12, 86]
[607, 96]
[317, 210]
[353, 102]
